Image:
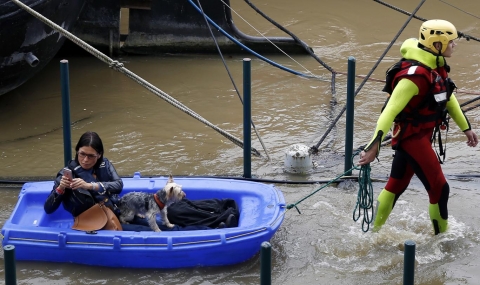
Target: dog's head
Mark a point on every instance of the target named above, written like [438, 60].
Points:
[172, 192]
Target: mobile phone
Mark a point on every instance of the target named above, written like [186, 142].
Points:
[67, 172]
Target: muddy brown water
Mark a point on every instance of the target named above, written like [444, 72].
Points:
[323, 245]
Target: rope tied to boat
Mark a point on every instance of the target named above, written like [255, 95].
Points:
[364, 203]
[294, 205]
[120, 68]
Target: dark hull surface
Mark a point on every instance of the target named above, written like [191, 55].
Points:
[168, 26]
[27, 44]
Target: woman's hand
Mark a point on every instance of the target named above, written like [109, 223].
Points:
[80, 183]
[65, 182]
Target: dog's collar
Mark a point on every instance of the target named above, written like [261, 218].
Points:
[159, 203]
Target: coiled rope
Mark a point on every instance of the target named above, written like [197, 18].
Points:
[364, 206]
[118, 66]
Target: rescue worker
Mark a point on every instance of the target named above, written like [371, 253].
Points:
[421, 96]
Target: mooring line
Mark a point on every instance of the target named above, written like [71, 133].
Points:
[297, 40]
[294, 205]
[267, 39]
[309, 50]
[231, 77]
[460, 34]
[469, 101]
[120, 68]
[459, 9]
[249, 49]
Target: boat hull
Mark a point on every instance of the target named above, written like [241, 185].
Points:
[41, 237]
[27, 44]
[166, 26]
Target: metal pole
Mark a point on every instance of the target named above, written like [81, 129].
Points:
[10, 270]
[409, 263]
[247, 121]
[349, 117]
[266, 264]
[67, 133]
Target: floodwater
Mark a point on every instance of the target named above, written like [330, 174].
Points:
[322, 245]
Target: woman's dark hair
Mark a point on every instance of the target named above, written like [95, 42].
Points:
[93, 140]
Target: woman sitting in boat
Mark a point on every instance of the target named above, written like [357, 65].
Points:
[94, 179]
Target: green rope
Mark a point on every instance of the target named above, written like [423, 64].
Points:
[364, 197]
[306, 197]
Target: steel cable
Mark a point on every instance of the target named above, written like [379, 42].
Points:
[314, 149]
[230, 76]
[120, 68]
[460, 34]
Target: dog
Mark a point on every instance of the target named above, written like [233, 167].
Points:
[146, 205]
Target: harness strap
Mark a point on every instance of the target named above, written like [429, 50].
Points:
[413, 118]
[438, 136]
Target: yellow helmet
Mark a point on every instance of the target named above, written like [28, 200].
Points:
[437, 31]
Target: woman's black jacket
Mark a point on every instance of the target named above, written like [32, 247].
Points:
[77, 201]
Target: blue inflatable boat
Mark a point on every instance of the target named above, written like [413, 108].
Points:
[41, 237]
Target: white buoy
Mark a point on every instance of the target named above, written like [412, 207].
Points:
[298, 159]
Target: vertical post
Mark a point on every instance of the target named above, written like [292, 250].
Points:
[349, 117]
[247, 115]
[266, 264]
[409, 263]
[10, 269]
[67, 133]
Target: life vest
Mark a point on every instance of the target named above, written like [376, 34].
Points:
[426, 110]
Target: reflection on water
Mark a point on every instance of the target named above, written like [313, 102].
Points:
[322, 245]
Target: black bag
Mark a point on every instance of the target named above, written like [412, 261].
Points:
[209, 212]
[81, 201]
